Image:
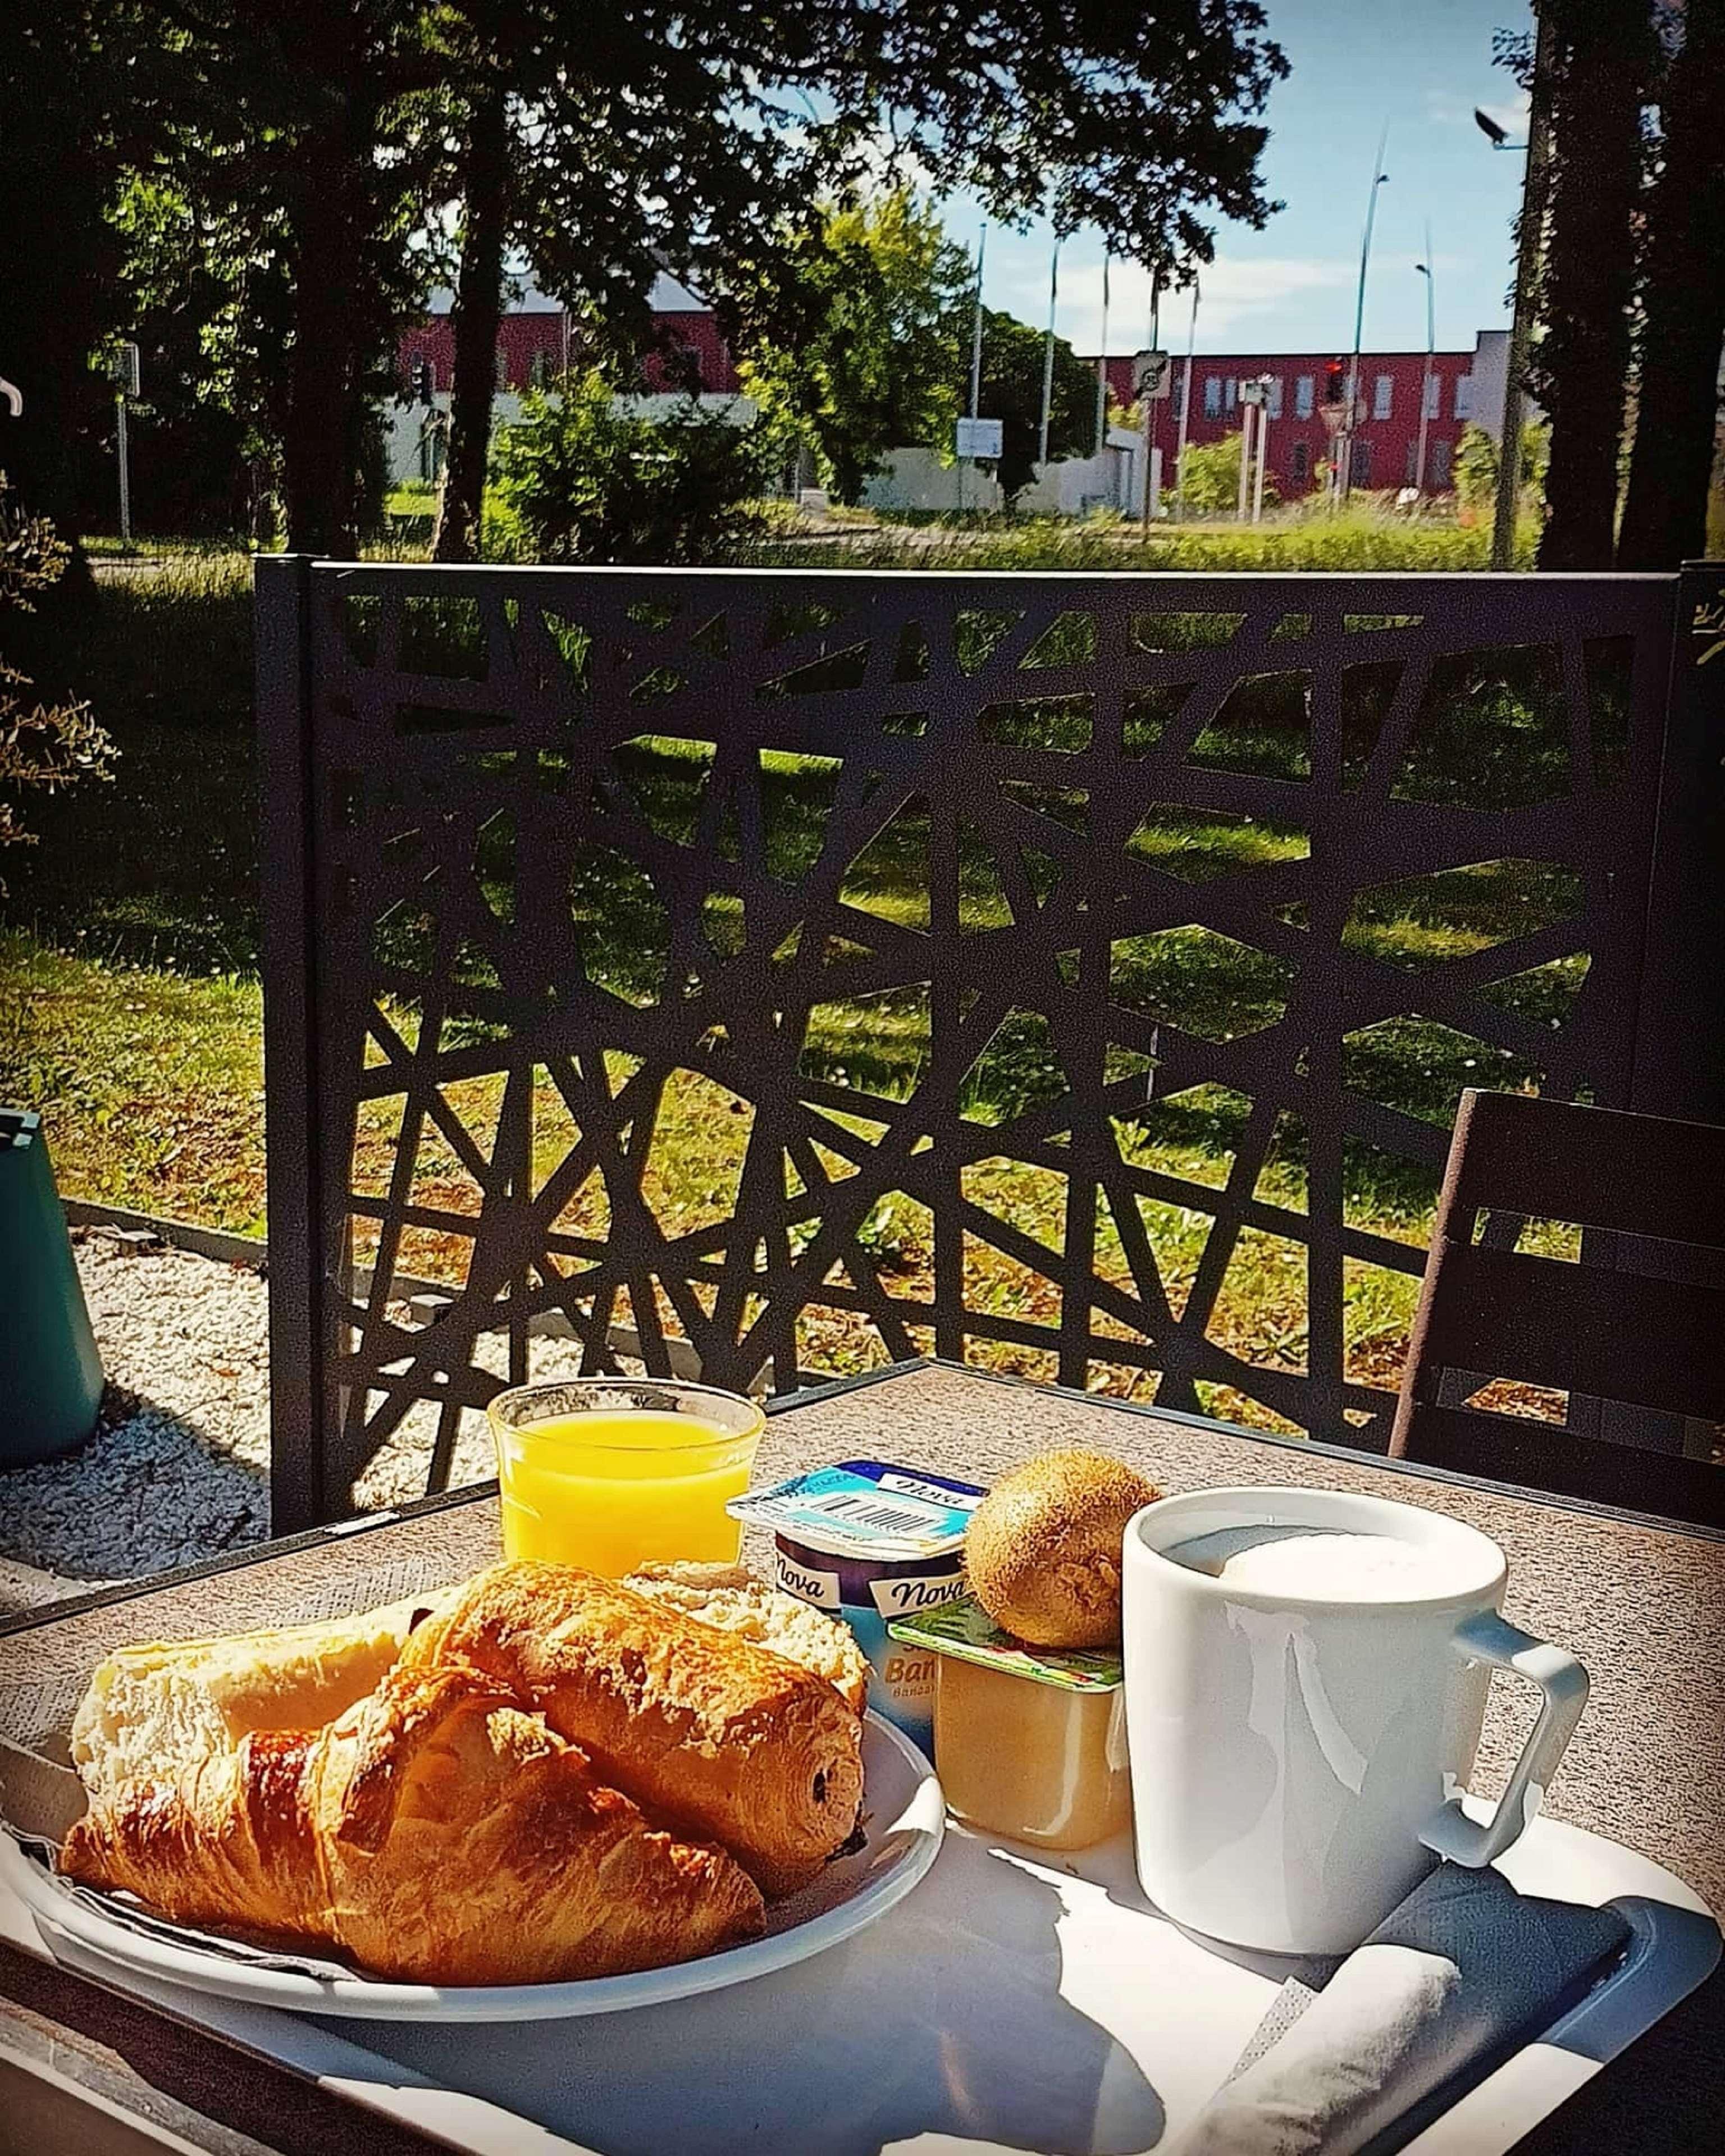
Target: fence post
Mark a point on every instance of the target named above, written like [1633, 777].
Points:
[1679, 1066]
[281, 605]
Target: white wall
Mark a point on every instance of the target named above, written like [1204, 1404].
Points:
[917, 479]
[1491, 365]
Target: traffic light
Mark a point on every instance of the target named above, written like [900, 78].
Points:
[422, 380]
[1334, 387]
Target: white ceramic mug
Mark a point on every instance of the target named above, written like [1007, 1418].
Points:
[1297, 1760]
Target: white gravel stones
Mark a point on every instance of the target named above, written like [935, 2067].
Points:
[179, 1470]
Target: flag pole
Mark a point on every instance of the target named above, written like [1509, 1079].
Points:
[1054, 287]
[1103, 370]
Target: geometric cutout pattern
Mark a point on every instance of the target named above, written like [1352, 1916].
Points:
[753, 957]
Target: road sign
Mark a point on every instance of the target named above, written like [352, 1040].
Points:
[980, 438]
[126, 370]
[1150, 373]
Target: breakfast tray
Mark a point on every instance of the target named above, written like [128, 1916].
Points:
[1013, 2001]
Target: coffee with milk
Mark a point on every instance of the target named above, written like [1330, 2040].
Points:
[1305, 1677]
[1328, 1565]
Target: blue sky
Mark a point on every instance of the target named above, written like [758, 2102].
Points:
[1422, 66]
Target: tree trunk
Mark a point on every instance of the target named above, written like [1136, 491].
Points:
[316, 442]
[479, 308]
[331, 230]
[1605, 56]
[1665, 512]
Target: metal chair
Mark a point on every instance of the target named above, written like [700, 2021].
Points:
[1634, 1333]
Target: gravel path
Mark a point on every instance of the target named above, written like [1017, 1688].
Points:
[178, 1471]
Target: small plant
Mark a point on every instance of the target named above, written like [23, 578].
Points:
[1476, 468]
[1209, 477]
[577, 481]
[42, 745]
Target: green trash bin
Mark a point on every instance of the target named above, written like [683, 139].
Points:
[51, 1373]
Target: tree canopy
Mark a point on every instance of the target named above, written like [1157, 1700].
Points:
[848, 325]
[1013, 357]
[316, 165]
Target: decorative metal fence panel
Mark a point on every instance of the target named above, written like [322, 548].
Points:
[798, 971]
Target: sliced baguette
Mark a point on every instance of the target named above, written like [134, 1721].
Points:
[154, 1710]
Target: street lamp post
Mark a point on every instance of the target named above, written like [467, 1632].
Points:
[1379, 176]
[1425, 271]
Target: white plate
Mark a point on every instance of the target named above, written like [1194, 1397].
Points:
[904, 1815]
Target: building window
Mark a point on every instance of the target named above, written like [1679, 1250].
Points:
[1304, 390]
[1381, 392]
[1231, 394]
[1437, 467]
[1434, 397]
[1464, 397]
[538, 369]
[1360, 469]
[503, 370]
[1213, 397]
[1298, 462]
[1272, 396]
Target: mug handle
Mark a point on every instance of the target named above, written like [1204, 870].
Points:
[1487, 1637]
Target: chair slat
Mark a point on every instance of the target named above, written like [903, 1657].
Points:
[1503, 1448]
[1656, 1343]
[1640, 1321]
[1601, 1167]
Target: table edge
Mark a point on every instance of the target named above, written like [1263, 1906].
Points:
[470, 1493]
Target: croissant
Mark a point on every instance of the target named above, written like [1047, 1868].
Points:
[172, 1704]
[435, 1833]
[729, 1597]
[735, 1743]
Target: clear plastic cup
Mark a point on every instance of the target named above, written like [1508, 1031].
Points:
[611, 1473]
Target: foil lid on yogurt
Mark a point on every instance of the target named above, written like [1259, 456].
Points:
[865, 1508]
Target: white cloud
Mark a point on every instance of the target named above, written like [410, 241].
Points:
[1235, 292]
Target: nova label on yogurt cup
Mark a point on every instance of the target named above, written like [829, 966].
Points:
[870, 1542]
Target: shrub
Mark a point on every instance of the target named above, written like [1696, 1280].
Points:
[1476, 467]
[1209, 477]
[41, 744]
[578, 480]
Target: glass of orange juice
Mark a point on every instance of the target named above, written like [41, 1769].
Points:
[614, 1472]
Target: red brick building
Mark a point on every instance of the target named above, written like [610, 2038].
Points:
[1387, 433]
[531, 346]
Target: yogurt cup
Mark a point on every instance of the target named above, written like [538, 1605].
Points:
[1030, 1742]
[868, 1541]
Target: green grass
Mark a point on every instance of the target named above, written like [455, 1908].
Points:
[1358, 540]
[130, 1012]
[150, 1083]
